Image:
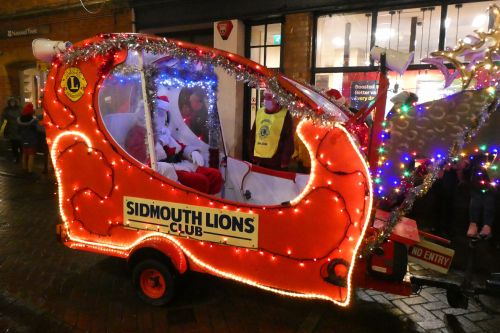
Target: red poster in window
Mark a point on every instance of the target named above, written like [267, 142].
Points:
[350, 81]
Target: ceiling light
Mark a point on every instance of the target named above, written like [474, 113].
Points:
[479, 21]
[338, 42]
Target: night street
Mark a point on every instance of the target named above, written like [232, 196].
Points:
[249, 166]
[46, 287]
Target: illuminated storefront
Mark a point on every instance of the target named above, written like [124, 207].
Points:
[343, 42]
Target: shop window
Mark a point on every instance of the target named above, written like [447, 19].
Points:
[407, 30]
[361, 87]
[358, 88]
[343, 40]
[463, 19]
[32, 81]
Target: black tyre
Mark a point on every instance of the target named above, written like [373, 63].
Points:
[154, 282]
[456, 298]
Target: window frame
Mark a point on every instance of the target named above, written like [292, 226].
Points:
[248, 39]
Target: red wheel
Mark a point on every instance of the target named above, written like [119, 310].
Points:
[154, 282]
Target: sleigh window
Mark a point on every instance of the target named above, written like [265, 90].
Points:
[122, 109]
[183, 100]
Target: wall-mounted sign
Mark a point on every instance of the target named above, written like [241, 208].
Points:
[225, 28]
[363, 92]
[276, 39]
[31, 31]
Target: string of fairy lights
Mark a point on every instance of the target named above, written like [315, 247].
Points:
[483, 50]
[356, 219]
[437, 165]
[388, 184]
[299, 204]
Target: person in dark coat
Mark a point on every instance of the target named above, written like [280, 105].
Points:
[28, 132]
[10, 114]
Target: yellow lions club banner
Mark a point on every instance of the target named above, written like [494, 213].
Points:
[197, 222]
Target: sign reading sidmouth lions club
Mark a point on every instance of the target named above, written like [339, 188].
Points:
[197, 222]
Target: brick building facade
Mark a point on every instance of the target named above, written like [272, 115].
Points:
[23, 21]
[312, 38]
[21, 75]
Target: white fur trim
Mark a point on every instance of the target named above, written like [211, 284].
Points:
[167, 170]
[161, 104]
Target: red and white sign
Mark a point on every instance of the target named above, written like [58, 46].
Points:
[225, 28]
[432, 256]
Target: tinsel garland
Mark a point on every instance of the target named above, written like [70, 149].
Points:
[150, 75]
[462, 139]
[142, 43]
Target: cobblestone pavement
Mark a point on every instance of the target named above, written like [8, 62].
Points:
[430, 311]
[45, 287]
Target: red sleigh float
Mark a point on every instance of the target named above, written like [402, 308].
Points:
[302, 238]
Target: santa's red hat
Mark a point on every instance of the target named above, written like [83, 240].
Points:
[336, 95]
[28, 110]
[162, 102]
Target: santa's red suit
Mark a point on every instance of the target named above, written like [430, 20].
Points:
[176, 161]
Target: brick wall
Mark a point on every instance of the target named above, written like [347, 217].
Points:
[14, 7]
[297, 46]
[73, 25]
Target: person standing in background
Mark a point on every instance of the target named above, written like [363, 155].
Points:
[10, 114]
[28, 131]
[482, 201]
[271, 138]
[42, 139]
[446, 188]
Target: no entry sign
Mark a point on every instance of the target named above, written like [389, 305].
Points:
[431, 256]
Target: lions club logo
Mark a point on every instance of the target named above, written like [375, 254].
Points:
[73, 83]
[264, 131]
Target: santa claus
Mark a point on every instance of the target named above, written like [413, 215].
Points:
[176, 160]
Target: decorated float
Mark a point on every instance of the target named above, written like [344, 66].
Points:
[113, 101]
